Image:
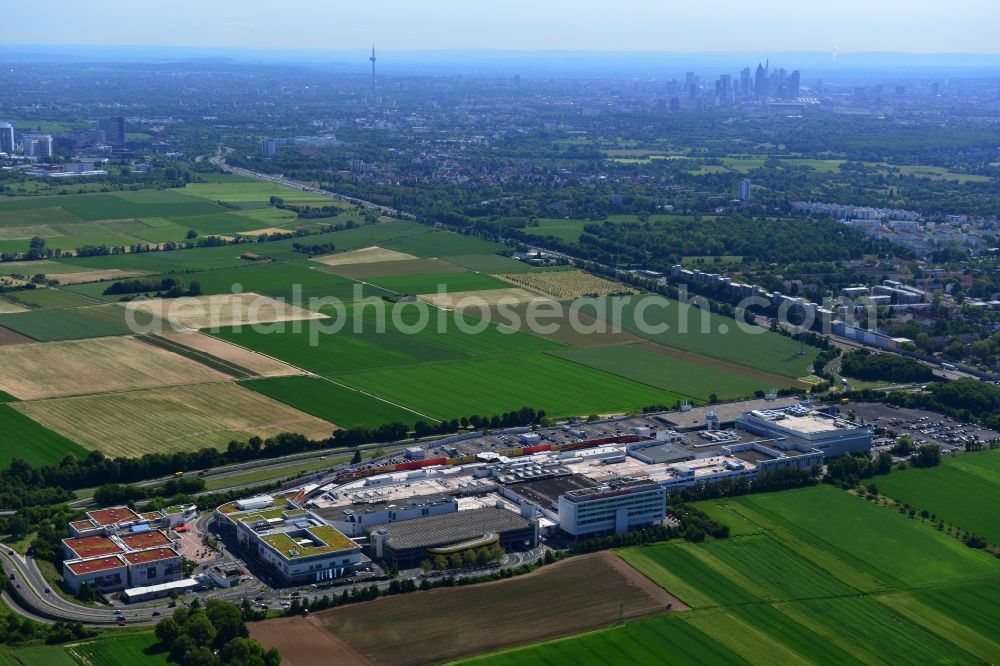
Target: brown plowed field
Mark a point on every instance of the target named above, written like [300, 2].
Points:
[9, 337]
[575, 595]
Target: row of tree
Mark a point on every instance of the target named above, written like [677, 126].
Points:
[23, 485]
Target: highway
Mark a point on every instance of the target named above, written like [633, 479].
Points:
[220, 161]
[30, 597]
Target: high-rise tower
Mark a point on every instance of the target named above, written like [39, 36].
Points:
[373, 64]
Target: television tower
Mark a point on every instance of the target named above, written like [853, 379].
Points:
[373, 64]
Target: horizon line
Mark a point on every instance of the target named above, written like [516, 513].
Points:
[296, 49]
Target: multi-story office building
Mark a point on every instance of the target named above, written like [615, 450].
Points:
[6, 138]
[114, 129]
[612, 508]
[37, 145]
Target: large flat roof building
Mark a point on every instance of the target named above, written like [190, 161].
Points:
[802, 427]
[297, 545]
[406, 544]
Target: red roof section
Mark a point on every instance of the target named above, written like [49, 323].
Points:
[145, 540]
[144, 556]
[91, 546]
[113, 515]
[90, 566]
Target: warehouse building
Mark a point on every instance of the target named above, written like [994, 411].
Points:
[355, 516]
[802, 428]
[406, 544]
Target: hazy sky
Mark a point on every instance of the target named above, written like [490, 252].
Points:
[921, 26]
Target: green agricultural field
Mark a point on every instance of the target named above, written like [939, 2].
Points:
[73, 221]
[873, 539]
[972, 607]
[43, 266]
[441, 244]
[866, 623]
[713, 335]
[70, 324]
[49, 298]
[679, 570]
[162, 234]
[489, 263]
[377, 269]
[222, 223]
[429, 284]
[175, 261]
[271, 216]
[744, 164]
[47, 655]
[686, 327]
[496, 385]
[780, 594]
[348, 239]
[769, 569]
[962, 491]
[279, 280]
[119, 650]
[93, 207]
[337, 352]
[73, 242]
[253, 190]
[568, 230]
[663, 640]
[694, 376]
[32, 442]
[822, 166]
[392, 345]
[332, 402]
[39, 219]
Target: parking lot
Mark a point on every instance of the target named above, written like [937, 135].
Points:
[922, 426]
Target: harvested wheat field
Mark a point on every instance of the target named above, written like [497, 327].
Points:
[562, 285]
[179, 418]
[6, 307]
[261, 364]
[96, 276]
[222, 310]
[572, 596]
[481, 298]
[268, 231]
[98, 365]
[392, 268]
[365, 255]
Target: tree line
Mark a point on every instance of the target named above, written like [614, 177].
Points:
[24, 485]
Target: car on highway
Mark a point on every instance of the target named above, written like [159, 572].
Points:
[156, 613]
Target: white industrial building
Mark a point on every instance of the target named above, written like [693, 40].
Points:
[613, 508]
[802, 427]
